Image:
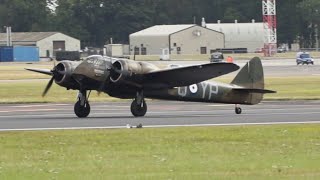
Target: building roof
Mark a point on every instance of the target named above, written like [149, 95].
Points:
[162, 30]
[27, 36]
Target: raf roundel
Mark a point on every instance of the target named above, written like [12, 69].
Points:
[193, 88]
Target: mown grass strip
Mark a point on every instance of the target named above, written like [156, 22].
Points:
[241, 152]
[30, 92]
[288, 88]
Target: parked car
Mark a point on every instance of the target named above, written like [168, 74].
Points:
[304, 58]
[216, 57]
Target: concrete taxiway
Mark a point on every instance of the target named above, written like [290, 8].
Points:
[160, 114]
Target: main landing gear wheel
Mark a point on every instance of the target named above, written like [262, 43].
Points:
[82, 107]
[138, 110]
[238, 110]
[82, 111]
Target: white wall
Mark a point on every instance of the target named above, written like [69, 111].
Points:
[154, 44]
[186, 39]
[190, 40]
[71, 44]
[241, 35]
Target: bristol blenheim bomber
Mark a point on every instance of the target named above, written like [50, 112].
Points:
[129, 79]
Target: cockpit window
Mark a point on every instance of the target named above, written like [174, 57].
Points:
[95, 57]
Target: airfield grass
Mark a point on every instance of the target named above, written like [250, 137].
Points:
[241, 152]
[16, 71]
[288, 88]
[31, 91]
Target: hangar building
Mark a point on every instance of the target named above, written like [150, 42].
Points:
[47, 42]
[179, 39]
[241, 35]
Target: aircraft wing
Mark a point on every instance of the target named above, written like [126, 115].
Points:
[184, 76]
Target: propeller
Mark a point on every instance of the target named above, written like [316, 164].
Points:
[48, 87]
[56, 71]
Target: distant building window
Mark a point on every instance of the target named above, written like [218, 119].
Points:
[143, 51]
[203, 50]
[174, 44]
[136, 51]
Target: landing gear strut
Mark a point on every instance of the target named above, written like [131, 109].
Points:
[237, 109]
[82, 106]
[138, 105]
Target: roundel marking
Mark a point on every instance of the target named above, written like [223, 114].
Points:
[193, 88]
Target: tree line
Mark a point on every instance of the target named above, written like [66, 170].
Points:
[95, 22]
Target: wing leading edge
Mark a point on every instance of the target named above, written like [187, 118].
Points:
[184, 76]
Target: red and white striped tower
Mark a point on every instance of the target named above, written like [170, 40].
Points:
[270, 27]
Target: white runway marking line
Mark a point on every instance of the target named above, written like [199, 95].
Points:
[161, 126]
[27, 110]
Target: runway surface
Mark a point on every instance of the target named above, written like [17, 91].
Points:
[160, 113]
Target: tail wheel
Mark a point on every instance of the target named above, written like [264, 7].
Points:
[238, 110]
[138, 110]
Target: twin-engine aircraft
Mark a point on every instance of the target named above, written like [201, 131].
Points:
[128, 79]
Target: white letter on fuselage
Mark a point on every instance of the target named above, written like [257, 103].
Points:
[213, 90]
[182, 91]
[204, 88]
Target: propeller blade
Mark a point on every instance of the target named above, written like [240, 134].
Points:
[48, 86]
[42, 71]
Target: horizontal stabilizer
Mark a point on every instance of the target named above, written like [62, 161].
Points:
[184, 76]
[262, 91]
[42, 71]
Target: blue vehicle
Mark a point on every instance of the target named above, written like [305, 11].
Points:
[304, 58]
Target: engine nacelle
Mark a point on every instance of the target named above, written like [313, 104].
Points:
[123, 69]
[63, 72]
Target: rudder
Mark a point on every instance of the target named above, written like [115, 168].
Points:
[251, 77]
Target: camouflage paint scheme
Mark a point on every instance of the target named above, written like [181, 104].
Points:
[123, 78]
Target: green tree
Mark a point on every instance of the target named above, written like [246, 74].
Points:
[24, 15]
[310, 15]
[288, 21]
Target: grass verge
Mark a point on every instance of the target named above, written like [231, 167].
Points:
[30, 92]
[243, 152]
[288, 88]
[16, 71]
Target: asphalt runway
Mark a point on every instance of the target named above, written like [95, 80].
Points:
[168, 113]
[160, 114]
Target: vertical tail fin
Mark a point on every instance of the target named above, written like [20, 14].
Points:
[251, 75]
[251, 79]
